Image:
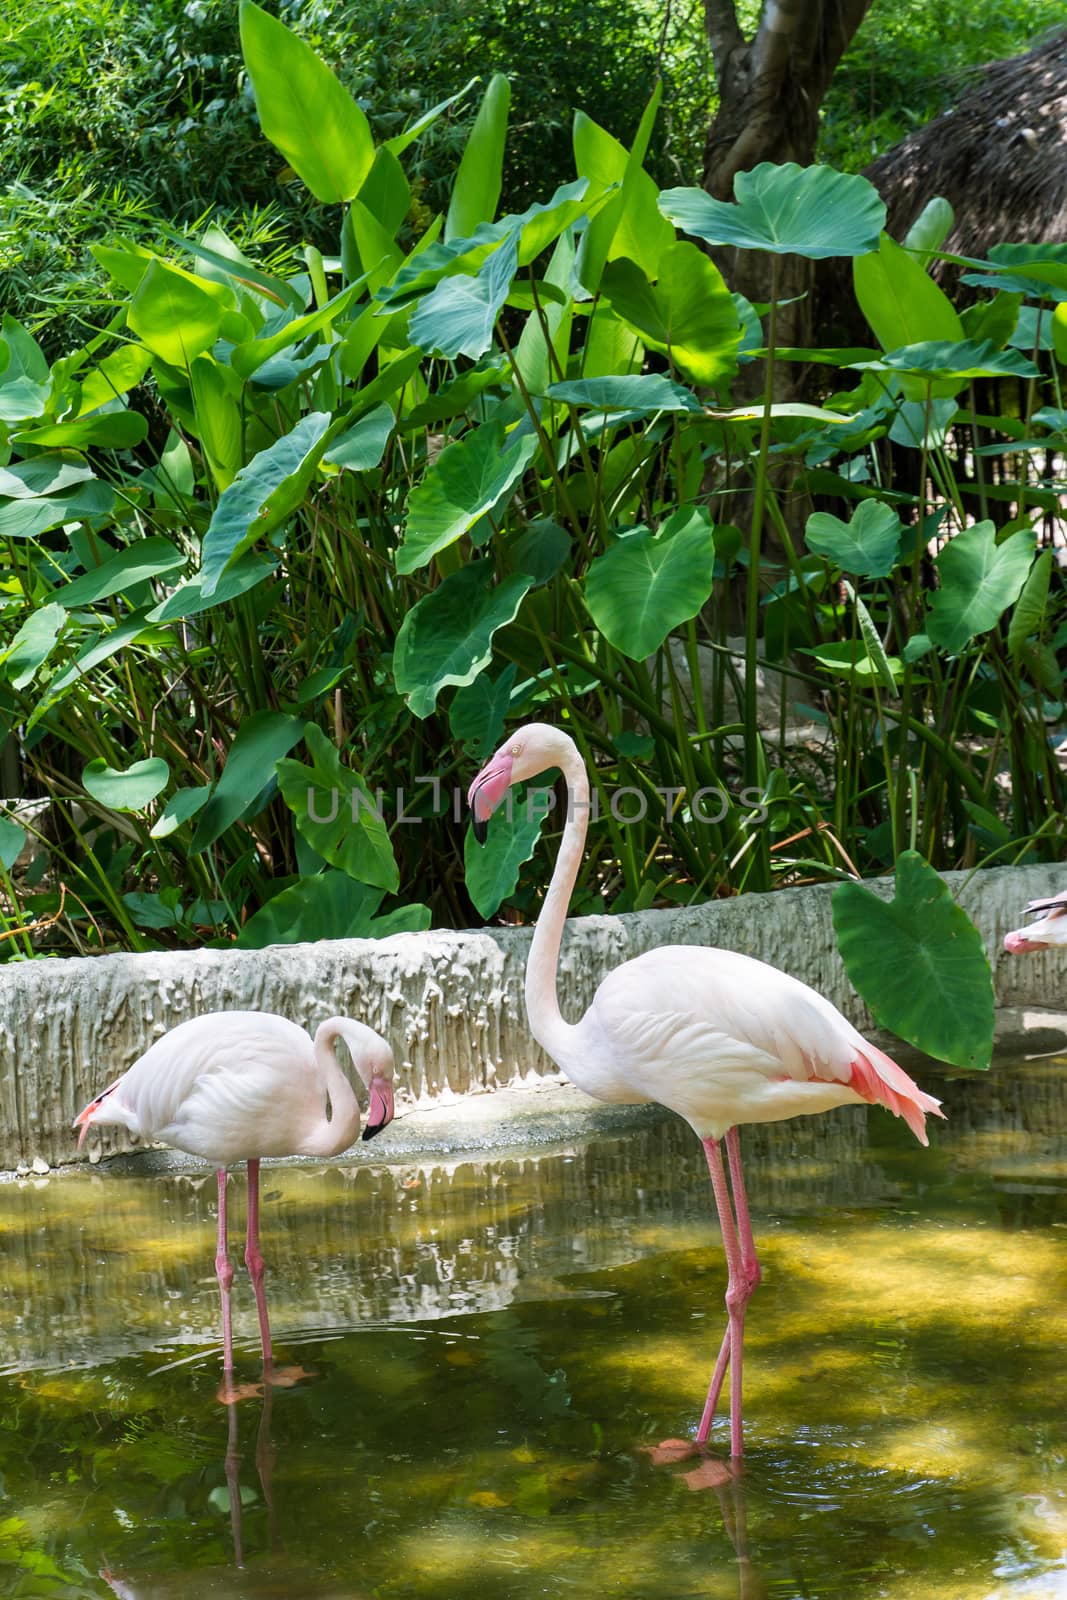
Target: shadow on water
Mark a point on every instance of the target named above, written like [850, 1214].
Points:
[477, 1363]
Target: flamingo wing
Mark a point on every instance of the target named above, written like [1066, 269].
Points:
[722, 1039]
[225, 1086]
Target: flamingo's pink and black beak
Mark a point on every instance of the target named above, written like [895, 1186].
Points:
[380, 1111]
[487, 791]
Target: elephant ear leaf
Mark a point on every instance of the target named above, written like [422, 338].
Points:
[919, 963]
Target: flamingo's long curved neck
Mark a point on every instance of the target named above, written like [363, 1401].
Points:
[332, 1135]
[542, 1000]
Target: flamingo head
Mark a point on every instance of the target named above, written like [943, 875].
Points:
[1049, 929]
[376, 1069]
[529, 751]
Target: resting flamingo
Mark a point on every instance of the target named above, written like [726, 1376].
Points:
[717, 1037]
[1049, 929]
[238, 1086]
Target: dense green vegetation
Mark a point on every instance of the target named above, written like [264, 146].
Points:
[118, 115]
[288, 543]
[274, 542]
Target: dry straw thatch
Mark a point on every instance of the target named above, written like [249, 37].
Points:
[999, 156]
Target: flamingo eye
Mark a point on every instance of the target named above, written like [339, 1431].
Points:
[516, 750]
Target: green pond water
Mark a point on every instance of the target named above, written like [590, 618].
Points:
[476, 1357]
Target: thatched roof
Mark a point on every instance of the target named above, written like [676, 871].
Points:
[999, 156]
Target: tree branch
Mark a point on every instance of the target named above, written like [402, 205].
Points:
[724, 34]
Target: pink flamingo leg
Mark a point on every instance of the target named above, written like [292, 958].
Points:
[254, 1260]
[753, 1270]
[738, 1289]
[224, 1273]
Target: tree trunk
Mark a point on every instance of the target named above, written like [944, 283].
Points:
[770, 90]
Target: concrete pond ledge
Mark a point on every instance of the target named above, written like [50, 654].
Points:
[451, 1002]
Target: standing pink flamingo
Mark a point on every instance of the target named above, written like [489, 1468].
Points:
[717, 1037]
[240, 1085]
[1049, 929]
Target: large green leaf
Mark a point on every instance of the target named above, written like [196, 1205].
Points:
[627, 208]
[642, 393]
[176, 316]
[147, 558]
[900, 300]
[260, 743]
[182, 805]
[477, 186]
[476, 715]
[218, 401]
[41, 475]
[941, 358]
[867, 546]
[465, 481]
[646, 585]
[29, 518]
[304, 109]
[459, 314]
[330, 905]
[129, 790]
[115, 375]
[262, 495]
[362, 446]
[919, 963]
[631, 222]
[1028, 618]
[337, 814]
[980, 579]
[492, 870]
[448, 636]
[787, 209]
[188, 598]
[689, 314]
[119, 429]
[851, 659]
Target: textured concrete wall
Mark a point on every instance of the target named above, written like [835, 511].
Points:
[450, 1002]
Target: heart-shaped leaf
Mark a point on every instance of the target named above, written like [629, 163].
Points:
[466, 481]
[642, 393]
[492, 870]
[337, 814]
[176, 316]
[130, 790]
[867, 546]
[688, 314]
[647, 584]
[788, 210]
[264, 493]
[919, 963]
[980, 579]
[947, 359]
[330, 905]
[457, 317]
[448, 636]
